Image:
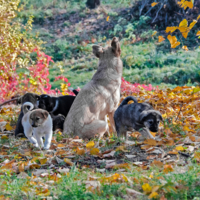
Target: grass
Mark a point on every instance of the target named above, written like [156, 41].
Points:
[60, 24]
[182, 183]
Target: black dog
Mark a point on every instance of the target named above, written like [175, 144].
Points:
[28, 97]
[91, 4]
[138, 116]
[57, 105]
[58, 121]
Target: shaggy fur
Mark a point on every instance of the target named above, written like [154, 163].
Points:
[28, 97]
[138, 116]
[98, 97]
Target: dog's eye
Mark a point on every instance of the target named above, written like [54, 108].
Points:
[150, 122]
[37, 118]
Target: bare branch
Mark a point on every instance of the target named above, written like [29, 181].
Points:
[11, 100]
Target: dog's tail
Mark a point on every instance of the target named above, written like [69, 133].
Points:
[27, 106]
[127, 99]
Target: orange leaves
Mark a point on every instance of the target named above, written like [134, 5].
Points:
[80, 151]
[184, 4]
[161, 38]
[198, 33]
[185, 48]
[107, 18]
[173, 41]
[153, 4]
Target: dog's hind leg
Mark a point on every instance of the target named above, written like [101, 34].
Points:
[112, 122]
[96, 127]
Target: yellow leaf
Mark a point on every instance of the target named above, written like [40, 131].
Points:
[42, 161]
[171, 29]
[173, 41]
[4, 137]
[183, 29]
[192, 24]
[198, 33]
[153, 4]
[61, 145]
[189, 4]
[179, 148]
[196, 89]
[153, 33]
[186, 128]
[198, 17]
[183, 23]
[168, 168]
[121, 148]
[107, 18]
[8, 127]
[21, 167]
[185, 34]
[161, 38]
[80, 151]
[150, 142]
[153, 195]
[146, 188]
[90, 145]
[185, 48]
[94, 151]
[68, 161]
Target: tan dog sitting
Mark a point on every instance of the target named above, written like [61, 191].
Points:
[99, 97]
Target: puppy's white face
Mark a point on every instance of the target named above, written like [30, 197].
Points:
[38, 117]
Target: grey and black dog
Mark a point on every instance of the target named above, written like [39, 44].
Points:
[138, 116]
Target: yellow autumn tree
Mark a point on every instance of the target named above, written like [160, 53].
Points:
[15, 47]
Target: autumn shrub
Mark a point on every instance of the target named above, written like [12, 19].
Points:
[17, 47]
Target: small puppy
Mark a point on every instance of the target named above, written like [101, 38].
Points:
[92, 4]
[138, 116]
[56, 105]
[58, 121]
[39, 123]
[28, 97]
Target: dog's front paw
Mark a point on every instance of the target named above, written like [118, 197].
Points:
[36, 145]
[46, 147]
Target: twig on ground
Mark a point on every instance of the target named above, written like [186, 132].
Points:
[11, 100]
[179, 112]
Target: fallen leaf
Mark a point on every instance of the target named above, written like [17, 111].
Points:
[90, 145]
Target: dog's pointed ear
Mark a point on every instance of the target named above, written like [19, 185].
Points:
[116, 47]
[19, 100]
[143, 115]
[45, 114]
[97, 50]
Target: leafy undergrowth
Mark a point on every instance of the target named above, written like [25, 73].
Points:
[166, 168]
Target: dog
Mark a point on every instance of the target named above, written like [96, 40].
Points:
[28, 97]
[138, 116]
[92, 4]
[99, 97]
[56, 105]
[58, 121]
[37, 123]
